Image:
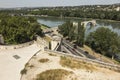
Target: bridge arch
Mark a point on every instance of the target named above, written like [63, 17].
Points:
[93, 22]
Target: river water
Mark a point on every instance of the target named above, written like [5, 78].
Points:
[54, 22]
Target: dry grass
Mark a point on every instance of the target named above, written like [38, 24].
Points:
[46, 38]
[55, 74]
[43, 60]
[98, 55]
[51, 54]
[24, 71]
[43, 27]
[76, 64]
[27, 64]
[31, 66]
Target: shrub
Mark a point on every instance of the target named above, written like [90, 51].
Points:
[31, 66]
[75, 64]
[55, 74]
[52, 54]
[27, 64]
[43, 60]
[24, 71]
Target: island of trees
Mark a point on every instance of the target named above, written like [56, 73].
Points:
[18, 29]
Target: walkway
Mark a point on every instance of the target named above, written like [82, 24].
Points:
[13, 61]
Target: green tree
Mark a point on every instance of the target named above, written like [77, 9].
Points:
[104, 41]
[80, 35]
[114, 49]
[18, 29]
[73, 32]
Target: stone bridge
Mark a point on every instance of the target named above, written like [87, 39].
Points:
[93, 22]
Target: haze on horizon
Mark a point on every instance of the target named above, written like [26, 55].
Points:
[52, 3]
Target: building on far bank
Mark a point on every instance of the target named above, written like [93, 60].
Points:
[1, 39]
[117, 9]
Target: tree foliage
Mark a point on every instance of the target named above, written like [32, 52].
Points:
[104, 40]
[90, 11]
[73, 32]
[17, 29]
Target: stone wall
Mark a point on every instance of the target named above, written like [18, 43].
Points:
[5, 47]
[39, 41]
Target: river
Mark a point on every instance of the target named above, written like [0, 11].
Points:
[54, 22]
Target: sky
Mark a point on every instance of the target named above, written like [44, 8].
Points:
[51, 3]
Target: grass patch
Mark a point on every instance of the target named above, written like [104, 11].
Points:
[55, 74]
[43, 60]
[43, 27]
[24, 71]
[31, 66]
[75, 64]
[51, 54]
[46, 38]
[27, 64]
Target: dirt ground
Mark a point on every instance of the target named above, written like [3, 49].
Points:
[54, 63]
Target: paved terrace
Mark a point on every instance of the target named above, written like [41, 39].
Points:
[13, 61]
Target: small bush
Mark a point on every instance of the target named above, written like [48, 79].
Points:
[44, 60]
[52, 54]
[31, 66]
[24, 71]
[27, 64]
[55, 74]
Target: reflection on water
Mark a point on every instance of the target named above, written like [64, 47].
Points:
[54, 22]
